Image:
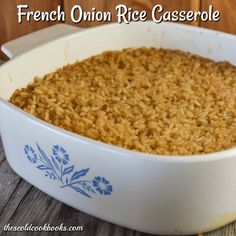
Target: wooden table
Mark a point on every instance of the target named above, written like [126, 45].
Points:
[21, 203]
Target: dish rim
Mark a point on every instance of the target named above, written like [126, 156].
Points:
[214, 156]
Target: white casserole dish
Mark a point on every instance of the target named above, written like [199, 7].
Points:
[149, 193]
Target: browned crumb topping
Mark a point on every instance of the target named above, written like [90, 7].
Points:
[150, 100]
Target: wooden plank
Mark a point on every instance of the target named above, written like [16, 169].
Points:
[104, 229]
[9, 27]
[227, 22]
[2, 154]
[228, 230]
[195, 5]
[35, 208]
[8, 184]
[38, 208]
[13, 202]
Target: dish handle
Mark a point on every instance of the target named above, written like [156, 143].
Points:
[40, 37]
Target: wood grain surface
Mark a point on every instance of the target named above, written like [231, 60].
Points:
[10, 29]
[227, 9]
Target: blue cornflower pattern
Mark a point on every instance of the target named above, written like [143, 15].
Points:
[57, 167]
[30, 154]
[60, 154]
[102, 185]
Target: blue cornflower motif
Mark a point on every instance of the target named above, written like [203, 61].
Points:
[102, 185]
[60, 154]
[30, 153]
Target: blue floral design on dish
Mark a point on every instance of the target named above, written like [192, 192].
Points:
[30, 154]
[60, 154]
[102, 185]
[57, 167]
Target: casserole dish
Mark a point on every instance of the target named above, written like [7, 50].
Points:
[150, 193]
